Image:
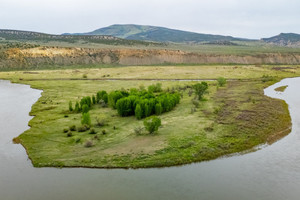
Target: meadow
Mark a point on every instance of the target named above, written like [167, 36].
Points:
[229, 119]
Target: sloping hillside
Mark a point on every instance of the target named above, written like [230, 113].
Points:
[158, 34]
[284, 39]
[28, 36]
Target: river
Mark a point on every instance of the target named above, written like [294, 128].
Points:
[273, 172]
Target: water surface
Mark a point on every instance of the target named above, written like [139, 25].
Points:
[270, 173]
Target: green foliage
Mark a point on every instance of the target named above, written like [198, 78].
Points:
[221, 81]
[83, 128]
[92, 131]
[77, 107]
[266, 78]
[72, 128]
[70, 106]
[86, 100]
[138, 112]
[113, 97]
[102, 95]
[85, 108]
[158, 109]
[94, 99]
[101, 120]
[152, 124]
[155, 88]
[200, 89]
[86, 119]
[125, 106]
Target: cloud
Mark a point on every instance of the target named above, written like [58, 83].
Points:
[241, 18]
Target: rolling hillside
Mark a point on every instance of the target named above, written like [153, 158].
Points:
[28, 36]
[158, 34]
[284, 39]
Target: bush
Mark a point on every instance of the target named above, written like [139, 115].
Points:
[88, 144]
[196, 103]
[94, 99]
[101, 95]
[83, 128]
[138, 130]
[200, 89]
[85, 108]
[101, 121]
[86, 119]
[138, 112]
[69, 134]
[152, 124]
[84, 76]
[104, 132]
[221, 81]
[158, 109]
[92, 131]
[65, 130]
[77, 108]
[155, 88]
[70, 106]
[72, 128]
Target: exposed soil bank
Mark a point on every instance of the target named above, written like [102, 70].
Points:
[53, 56]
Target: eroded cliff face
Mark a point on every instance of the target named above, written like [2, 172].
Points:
[53, 56]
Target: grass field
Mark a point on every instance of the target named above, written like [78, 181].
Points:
[231, 119]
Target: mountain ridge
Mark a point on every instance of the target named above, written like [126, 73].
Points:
[157, 34]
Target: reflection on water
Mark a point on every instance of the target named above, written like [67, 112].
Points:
[270, 173]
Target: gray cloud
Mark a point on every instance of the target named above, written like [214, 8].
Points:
[240, 18]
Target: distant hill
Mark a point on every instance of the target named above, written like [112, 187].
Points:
[158, 34]
[27, 36]
[284, 39]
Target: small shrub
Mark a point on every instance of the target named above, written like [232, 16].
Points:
[77, 140]
[221, 81]
[65, 130]
[94, 99]
[86, 119]
[83, 128]
[138, 112]
[152, 124]
[158, 109]
[104, 132]
[84, 76]
[88, 144]
[102, 103]
[66, 116]
[77, 108]
[209, 129]
[85, 108]
[69, 134]
[200, 89]
[72, 128]
[70, 106]
[92, 131]
[101, 121]
[138, 130]
[190, 93]
[196, 103]
[193, 109]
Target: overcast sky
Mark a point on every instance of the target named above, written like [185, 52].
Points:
[240, 18]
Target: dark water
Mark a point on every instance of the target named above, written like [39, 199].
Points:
[270, 173]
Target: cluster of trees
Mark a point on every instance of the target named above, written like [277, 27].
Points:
[86, 103]
[143, 104]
